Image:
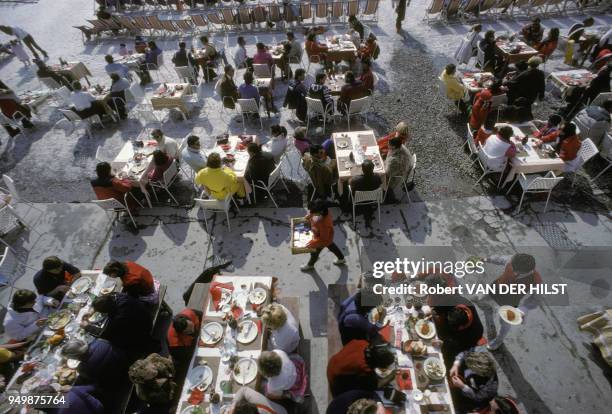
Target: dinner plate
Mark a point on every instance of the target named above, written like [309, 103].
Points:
[505, 313]
[194, 409]
[434, 368]
[245, 371]
[81, 285]
[420, 325]
[31, 383]
[108, 286]
[247, 332]
[57, 320]
[378, 322]
[258, 296]
[200, 376]
[96, 317]
[343, 144]
[212, 333]
[384, 372]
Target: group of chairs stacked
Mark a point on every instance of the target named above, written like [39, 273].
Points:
[461, 9]
[241, 17]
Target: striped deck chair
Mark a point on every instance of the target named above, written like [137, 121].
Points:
[152, 3]
[183, 25]
[142, 23]
[470, 7]
[198, 20]
[353, 8]
[558, 5]
[435, 8]
[274, 13]
[306, 12]
[502, 5]
[128, 24]
[169, 26]
[322, 10]
[521, 6]
[487, 5]
[215, 20]
[244, 14]
[371, 10]
[337, 10]
[155, 23]
[99, 26]
[290, 15]
[537, 6]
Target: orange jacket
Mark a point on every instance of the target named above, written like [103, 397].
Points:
[569, 148]
[383, 143]
[481, 136]
[176, 339]
[138, 277]
[481, 109]
[315, 48]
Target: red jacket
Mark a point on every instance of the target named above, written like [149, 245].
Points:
[569, 148]
[176, 339]
[383, 143]
[547, 48]
[315, 48]
[481, 136]
[349, 361]
[367, 79]
[481, 109]
[138, 277]
[115, 188]
[322, 228]
[547, 134]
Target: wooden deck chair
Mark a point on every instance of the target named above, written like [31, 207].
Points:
[537, 6]
[337, 10]
[244, 14]
[228, 17]
[306, 12]
[470, 7]
[259, 14]
[169, 26]
[183, 25]
[97, 27]
[155, 23]
[198, 20]
[274, 13]
[128, 24]
[322, 11]
[371, 10]
[487, 5]
[452, 9]
[522, 6]
[501, 6]
[141, 23]
[352, 8]
[435, 9]
[290, 15]
[558, 5]
[215, 19]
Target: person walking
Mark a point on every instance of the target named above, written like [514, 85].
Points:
[401, 14]
[322, 227]
[25, 37]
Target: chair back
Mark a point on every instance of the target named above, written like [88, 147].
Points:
[487, 4]
[261, 70]
[480, 57]
[471, 5]
[412, 172]
[315, 105]
[170, 173]
[214, 204]
[50, 83]
[601, 98]
[70, 115]
[109, 204]
[365, 197]
[199, 20]
[259, 14]
[10, 185]
[63, 94]
[537, 3]
[497, 164]
[546, 183]
[184, 25]
[155, 23]
[587, 151]
[248, 105]
[228, 17]
[470, 140]
[442, 89]
[185, 73]
[214, 18]
[168, 25]
[337, 9]
[321, 10]
[274, 176]
[305, 11]
[274, 13]
[371, 7]
[357, 106]
[245, 15]
[502, 4]
[453, 7]
[145, 112]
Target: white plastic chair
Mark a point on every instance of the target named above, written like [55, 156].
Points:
[485, 161]
[261, 71]
[471, 144]
[273, 179]
[76, 120]
[536, 184]
[4, 120]
[407, 180]
[62, 96]
[587, 151]
[361, 198]
[249, 106]
[50, 83]
[115, 206]
[170, 175]
[601, 98]
[607, 157]
[185, 73]
[217, 206]
[15, 197]
[357, 107]
[315, 107]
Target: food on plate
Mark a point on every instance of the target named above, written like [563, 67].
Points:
[108, 287]
[433, 368]
[95, 317]
[59, 319]
[510, 315]
[415, 348]
[378, 314]
[81, 285]
[425, 329]
[55, 339]
[257, 296]
[65, 375]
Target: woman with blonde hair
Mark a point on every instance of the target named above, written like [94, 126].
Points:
[285, 333]
[402, 130]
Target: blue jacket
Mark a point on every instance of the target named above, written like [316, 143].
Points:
[104, 364]
[352, 324]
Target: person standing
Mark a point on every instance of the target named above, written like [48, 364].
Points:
[469, 45]
[25, 37]
[401, 14]
[322, 227]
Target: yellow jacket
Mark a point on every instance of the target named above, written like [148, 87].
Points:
[454, 88]
[220, 182]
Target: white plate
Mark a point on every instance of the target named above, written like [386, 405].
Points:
[247, 332]
[503, 313]
[432, 329]
[384, 372]
[258, 296]
[108, 286]
[248, 371]
[432, 362]
[81, 285]
[212, 333]
[343, 144]
[384, 322]
[96, 317]
[200, 376]
[194, 409]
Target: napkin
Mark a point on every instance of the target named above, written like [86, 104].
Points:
[215, 292]
[403, 379]
[386, 333]
[196, 397]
